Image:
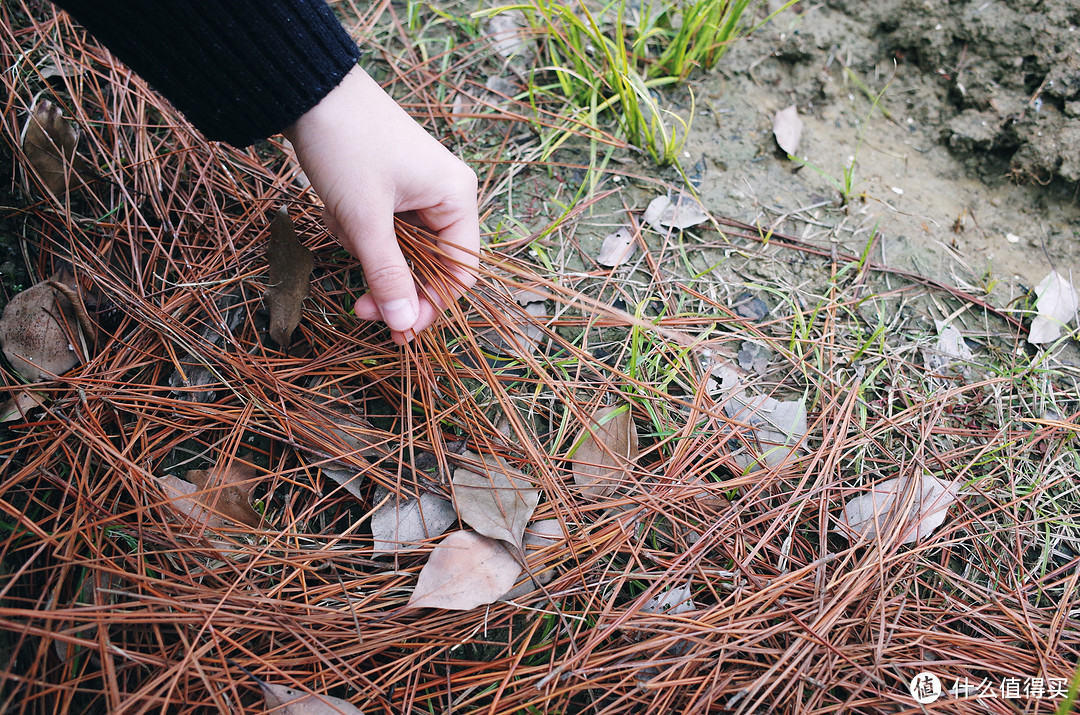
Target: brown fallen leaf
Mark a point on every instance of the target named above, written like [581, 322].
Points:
[226, 491]
[497, 500]
[49, 144]
[20, 404]
[289, 701]
[36, 331]
[290, 278]
[605, 449]
[464, 571]
[183, 499]
[889, 504]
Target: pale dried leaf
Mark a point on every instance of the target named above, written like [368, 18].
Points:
[464, 571]
[497, 500]
[675, 600]
[538, 536]
[950, 346]
[289, 701]
[681, 212]
[500, 86]
[1056, 306]
[787, 128]
[290, 278]
[400, 524]
[888, 505]
[777, 426]
[49, 144]
[227, 491]
[505, 31]
[606, 449]
[20, 404]
[460, 107]
[35, 331]
[617, 248]
[723, 375]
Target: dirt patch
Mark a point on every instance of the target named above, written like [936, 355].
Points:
[958, 131]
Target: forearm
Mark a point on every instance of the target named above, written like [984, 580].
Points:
[239, 70]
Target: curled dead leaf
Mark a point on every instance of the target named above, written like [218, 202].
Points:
[49, 144]
[496, 500]
[464, 571]
[893, 504]
[605, 450]
[290, 278]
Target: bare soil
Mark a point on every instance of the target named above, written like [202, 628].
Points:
[967, 167]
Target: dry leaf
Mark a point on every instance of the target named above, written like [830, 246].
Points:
[675, 600]
[950, 346]
[880, 511]
[49, 144]
[497, 501]
[227, 491]
[777, 426]
[288, 701]
[400, 524]
[464, 571]
[617, 248]
[682, 212]
[36, 330]
[505, 30]
[182, 498]
[723, 375]
[1057, 305]
[20, 404]
[787, 128]
[347, 475]
[290, 278]
[604, 451]
[539, 535]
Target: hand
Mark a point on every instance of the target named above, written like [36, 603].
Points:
[367, 159]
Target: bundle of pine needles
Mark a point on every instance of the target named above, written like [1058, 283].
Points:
[109, 603]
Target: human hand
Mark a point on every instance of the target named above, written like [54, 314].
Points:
[367, 159]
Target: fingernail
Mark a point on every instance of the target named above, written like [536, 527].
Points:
[399, 314]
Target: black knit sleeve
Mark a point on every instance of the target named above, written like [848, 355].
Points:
[239, 70]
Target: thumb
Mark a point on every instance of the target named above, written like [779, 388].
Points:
[371, 239]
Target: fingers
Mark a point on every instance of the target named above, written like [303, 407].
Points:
[370, 237]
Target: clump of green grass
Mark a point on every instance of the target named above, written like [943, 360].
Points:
[610, 62]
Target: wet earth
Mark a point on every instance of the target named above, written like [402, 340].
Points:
[949, 130]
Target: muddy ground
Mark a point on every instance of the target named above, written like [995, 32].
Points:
[967, 166]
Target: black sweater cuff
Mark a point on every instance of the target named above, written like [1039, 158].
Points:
[239, 70]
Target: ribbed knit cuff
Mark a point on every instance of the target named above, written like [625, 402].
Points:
[239, 70]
